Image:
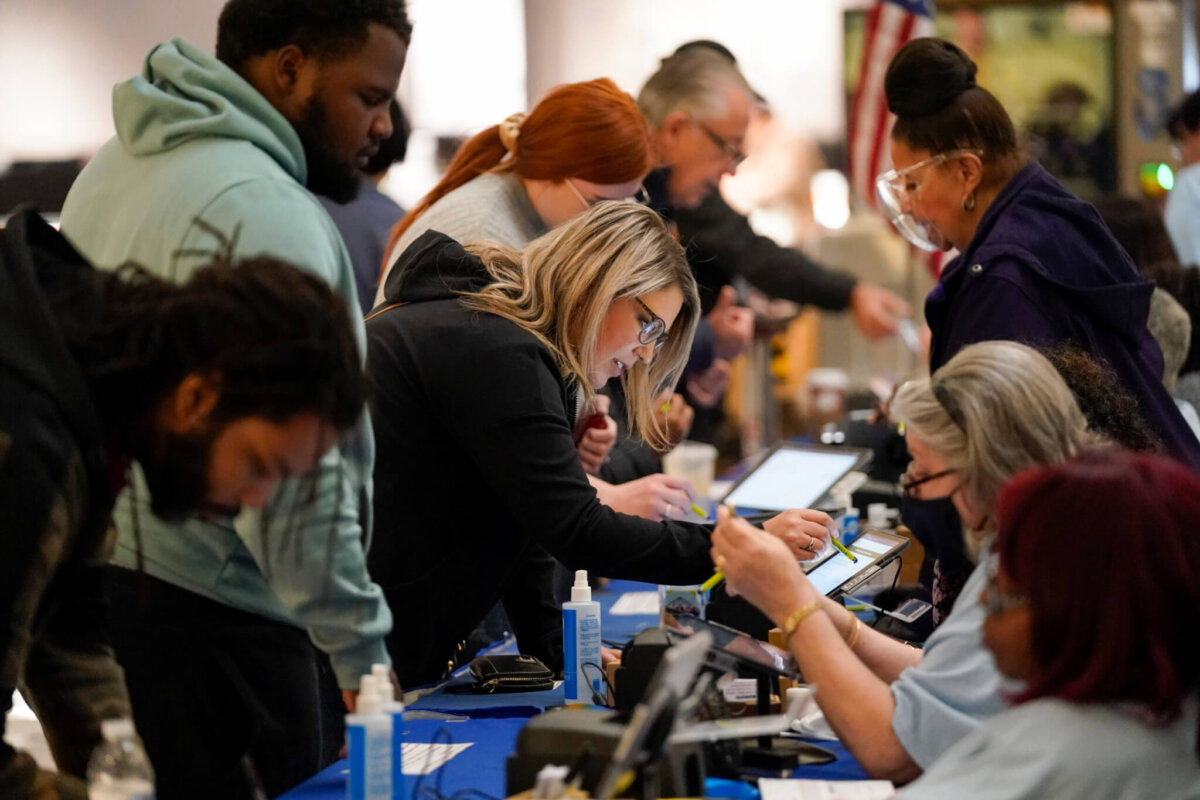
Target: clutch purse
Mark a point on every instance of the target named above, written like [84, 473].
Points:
[508, 673]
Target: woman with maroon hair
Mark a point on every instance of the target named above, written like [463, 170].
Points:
[1095, 605]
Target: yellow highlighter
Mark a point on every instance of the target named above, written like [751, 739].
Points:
[718, 576]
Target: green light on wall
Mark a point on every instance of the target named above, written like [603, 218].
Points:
[1156, 178]
[1166, 177]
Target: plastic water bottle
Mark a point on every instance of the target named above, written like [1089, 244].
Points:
[119, 768]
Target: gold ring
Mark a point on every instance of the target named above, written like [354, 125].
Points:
[812, 544]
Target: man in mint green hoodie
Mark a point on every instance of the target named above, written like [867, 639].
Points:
[214, 154]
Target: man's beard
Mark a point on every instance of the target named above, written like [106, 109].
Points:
[326, 174]
[176, 470]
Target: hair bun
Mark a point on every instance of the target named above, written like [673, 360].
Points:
[925, 76]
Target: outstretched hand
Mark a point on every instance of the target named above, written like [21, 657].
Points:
[759, 566]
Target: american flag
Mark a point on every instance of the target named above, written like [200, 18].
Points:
[890, 24]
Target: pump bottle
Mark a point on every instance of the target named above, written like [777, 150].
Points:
[582, 671]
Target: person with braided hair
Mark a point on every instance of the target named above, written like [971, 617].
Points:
[233, 147]
[216, 388]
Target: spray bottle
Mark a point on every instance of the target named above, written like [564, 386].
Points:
[394, 708]
[583, 675]
[369, 746]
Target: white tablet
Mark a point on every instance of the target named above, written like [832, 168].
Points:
[793, 476]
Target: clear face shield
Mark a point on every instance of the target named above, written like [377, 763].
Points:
[897, 187]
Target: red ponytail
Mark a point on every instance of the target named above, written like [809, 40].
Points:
[590, 130]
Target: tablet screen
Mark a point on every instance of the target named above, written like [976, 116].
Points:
[741, 646]
[792, 477]
[834, 569]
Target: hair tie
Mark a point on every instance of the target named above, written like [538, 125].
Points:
[510, 130]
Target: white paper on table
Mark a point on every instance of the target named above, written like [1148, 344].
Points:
[810, 720]
[632, 603]
[783, 789]
[421, 758]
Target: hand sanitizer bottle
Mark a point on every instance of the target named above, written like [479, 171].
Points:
[369, 746]
[582, 671]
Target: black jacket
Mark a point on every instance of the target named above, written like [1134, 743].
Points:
[477, 476]
[55, 492]
[721, 244]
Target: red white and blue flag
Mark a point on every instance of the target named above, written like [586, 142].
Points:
[890, 24]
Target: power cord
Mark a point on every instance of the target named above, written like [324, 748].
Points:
[895, 579]
[435, 792]
[596, 698]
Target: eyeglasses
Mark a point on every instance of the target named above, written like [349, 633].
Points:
[651, 331]
[896, 189]
[903, 183]
[908, 485]
[641, 196]
[735, 154]
[995, 600]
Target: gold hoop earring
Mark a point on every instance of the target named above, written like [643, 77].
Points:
[968, 201]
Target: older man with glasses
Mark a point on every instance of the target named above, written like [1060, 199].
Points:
[699, 106]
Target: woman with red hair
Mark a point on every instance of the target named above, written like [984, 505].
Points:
[1094, 606]
[582, 143]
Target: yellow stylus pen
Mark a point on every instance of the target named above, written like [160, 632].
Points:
[718, 576]
[841, 547]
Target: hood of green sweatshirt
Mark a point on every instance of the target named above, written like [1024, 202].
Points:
[183, 94]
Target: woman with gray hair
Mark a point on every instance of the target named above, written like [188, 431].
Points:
[993, 410]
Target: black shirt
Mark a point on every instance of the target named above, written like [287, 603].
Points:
[477, 478]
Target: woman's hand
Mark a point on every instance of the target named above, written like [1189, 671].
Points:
[708, 386]
[805, 531]
[678, 413]
[760, 567]
[596, 436]
[655, 497]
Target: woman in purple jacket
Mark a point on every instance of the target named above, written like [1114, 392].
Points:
[1036, 264]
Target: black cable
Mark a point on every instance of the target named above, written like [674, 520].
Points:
[596, 698]
[895, 579]
[420, 792]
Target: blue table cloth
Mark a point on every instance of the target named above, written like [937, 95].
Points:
[491, 723]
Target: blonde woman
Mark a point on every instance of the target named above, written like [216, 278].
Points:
[479, 375]
[993, 410]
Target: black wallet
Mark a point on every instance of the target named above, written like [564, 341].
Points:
[508, 673]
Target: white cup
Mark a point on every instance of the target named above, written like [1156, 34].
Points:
[695, 461]
[878, 516]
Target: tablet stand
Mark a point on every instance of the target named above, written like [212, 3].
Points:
[777, 754]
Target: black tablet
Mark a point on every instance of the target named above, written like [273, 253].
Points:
[731, 647]
[793, 476]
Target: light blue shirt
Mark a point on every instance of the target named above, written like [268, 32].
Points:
[955, 687]
[1182, 215]
[1066, 751]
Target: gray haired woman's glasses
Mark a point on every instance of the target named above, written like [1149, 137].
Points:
[908, 486]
